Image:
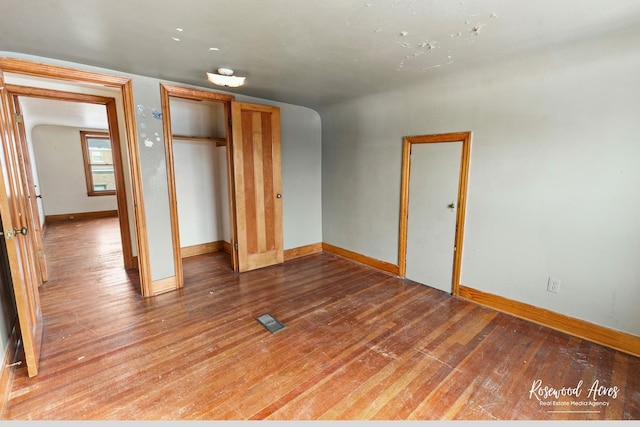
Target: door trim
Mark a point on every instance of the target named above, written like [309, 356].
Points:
[407, 144]
[166, 92]
[125, 86]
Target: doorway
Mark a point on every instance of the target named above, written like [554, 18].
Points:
[56, 151]
[23, 268]
[201, 177]
[197, 132]
[435, 174]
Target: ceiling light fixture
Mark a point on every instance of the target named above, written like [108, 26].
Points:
[224, 77]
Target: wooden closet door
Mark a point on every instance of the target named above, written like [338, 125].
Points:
[258, 185]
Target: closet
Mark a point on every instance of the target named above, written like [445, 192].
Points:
[225, 187]
[200, 174]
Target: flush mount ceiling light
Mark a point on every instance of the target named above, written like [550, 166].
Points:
[224, 77]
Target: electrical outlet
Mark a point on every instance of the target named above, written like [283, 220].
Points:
[553, 285]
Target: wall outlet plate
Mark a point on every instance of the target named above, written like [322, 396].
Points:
[553, 285]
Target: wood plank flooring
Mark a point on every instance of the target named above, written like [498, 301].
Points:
[358, 344]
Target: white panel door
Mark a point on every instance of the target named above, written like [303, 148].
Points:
[433, 188]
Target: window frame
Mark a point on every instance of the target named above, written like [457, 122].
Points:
[87, 160]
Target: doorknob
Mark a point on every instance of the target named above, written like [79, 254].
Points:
[22, 231]
[9, 234]
[278, 196]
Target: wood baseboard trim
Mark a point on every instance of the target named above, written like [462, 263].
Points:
[300, 251]
[617, 340]
[226, 246]
[80, 215]
[163, 285]
[8, 370]
[203, 248]
[362, 259]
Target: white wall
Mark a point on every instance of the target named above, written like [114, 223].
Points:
[198, 192]
[60, 166]
[200, 170]
[554, 175]
[197, 118]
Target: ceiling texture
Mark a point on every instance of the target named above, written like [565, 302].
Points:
[311, 53]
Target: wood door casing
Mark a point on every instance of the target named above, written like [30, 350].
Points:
[124, 86]
[258, 185]
[407, 143]
[166, 93]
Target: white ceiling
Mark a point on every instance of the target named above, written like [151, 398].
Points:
[304, 52]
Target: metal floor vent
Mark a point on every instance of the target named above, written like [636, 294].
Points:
[271, 323]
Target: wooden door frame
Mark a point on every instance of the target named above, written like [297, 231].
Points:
[111, 113]
[407, 144]
[167, 92]
[125, 86]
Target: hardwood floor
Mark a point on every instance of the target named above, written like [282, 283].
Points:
[358, 344]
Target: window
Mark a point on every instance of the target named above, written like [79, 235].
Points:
[96, 156]
[98, 163]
